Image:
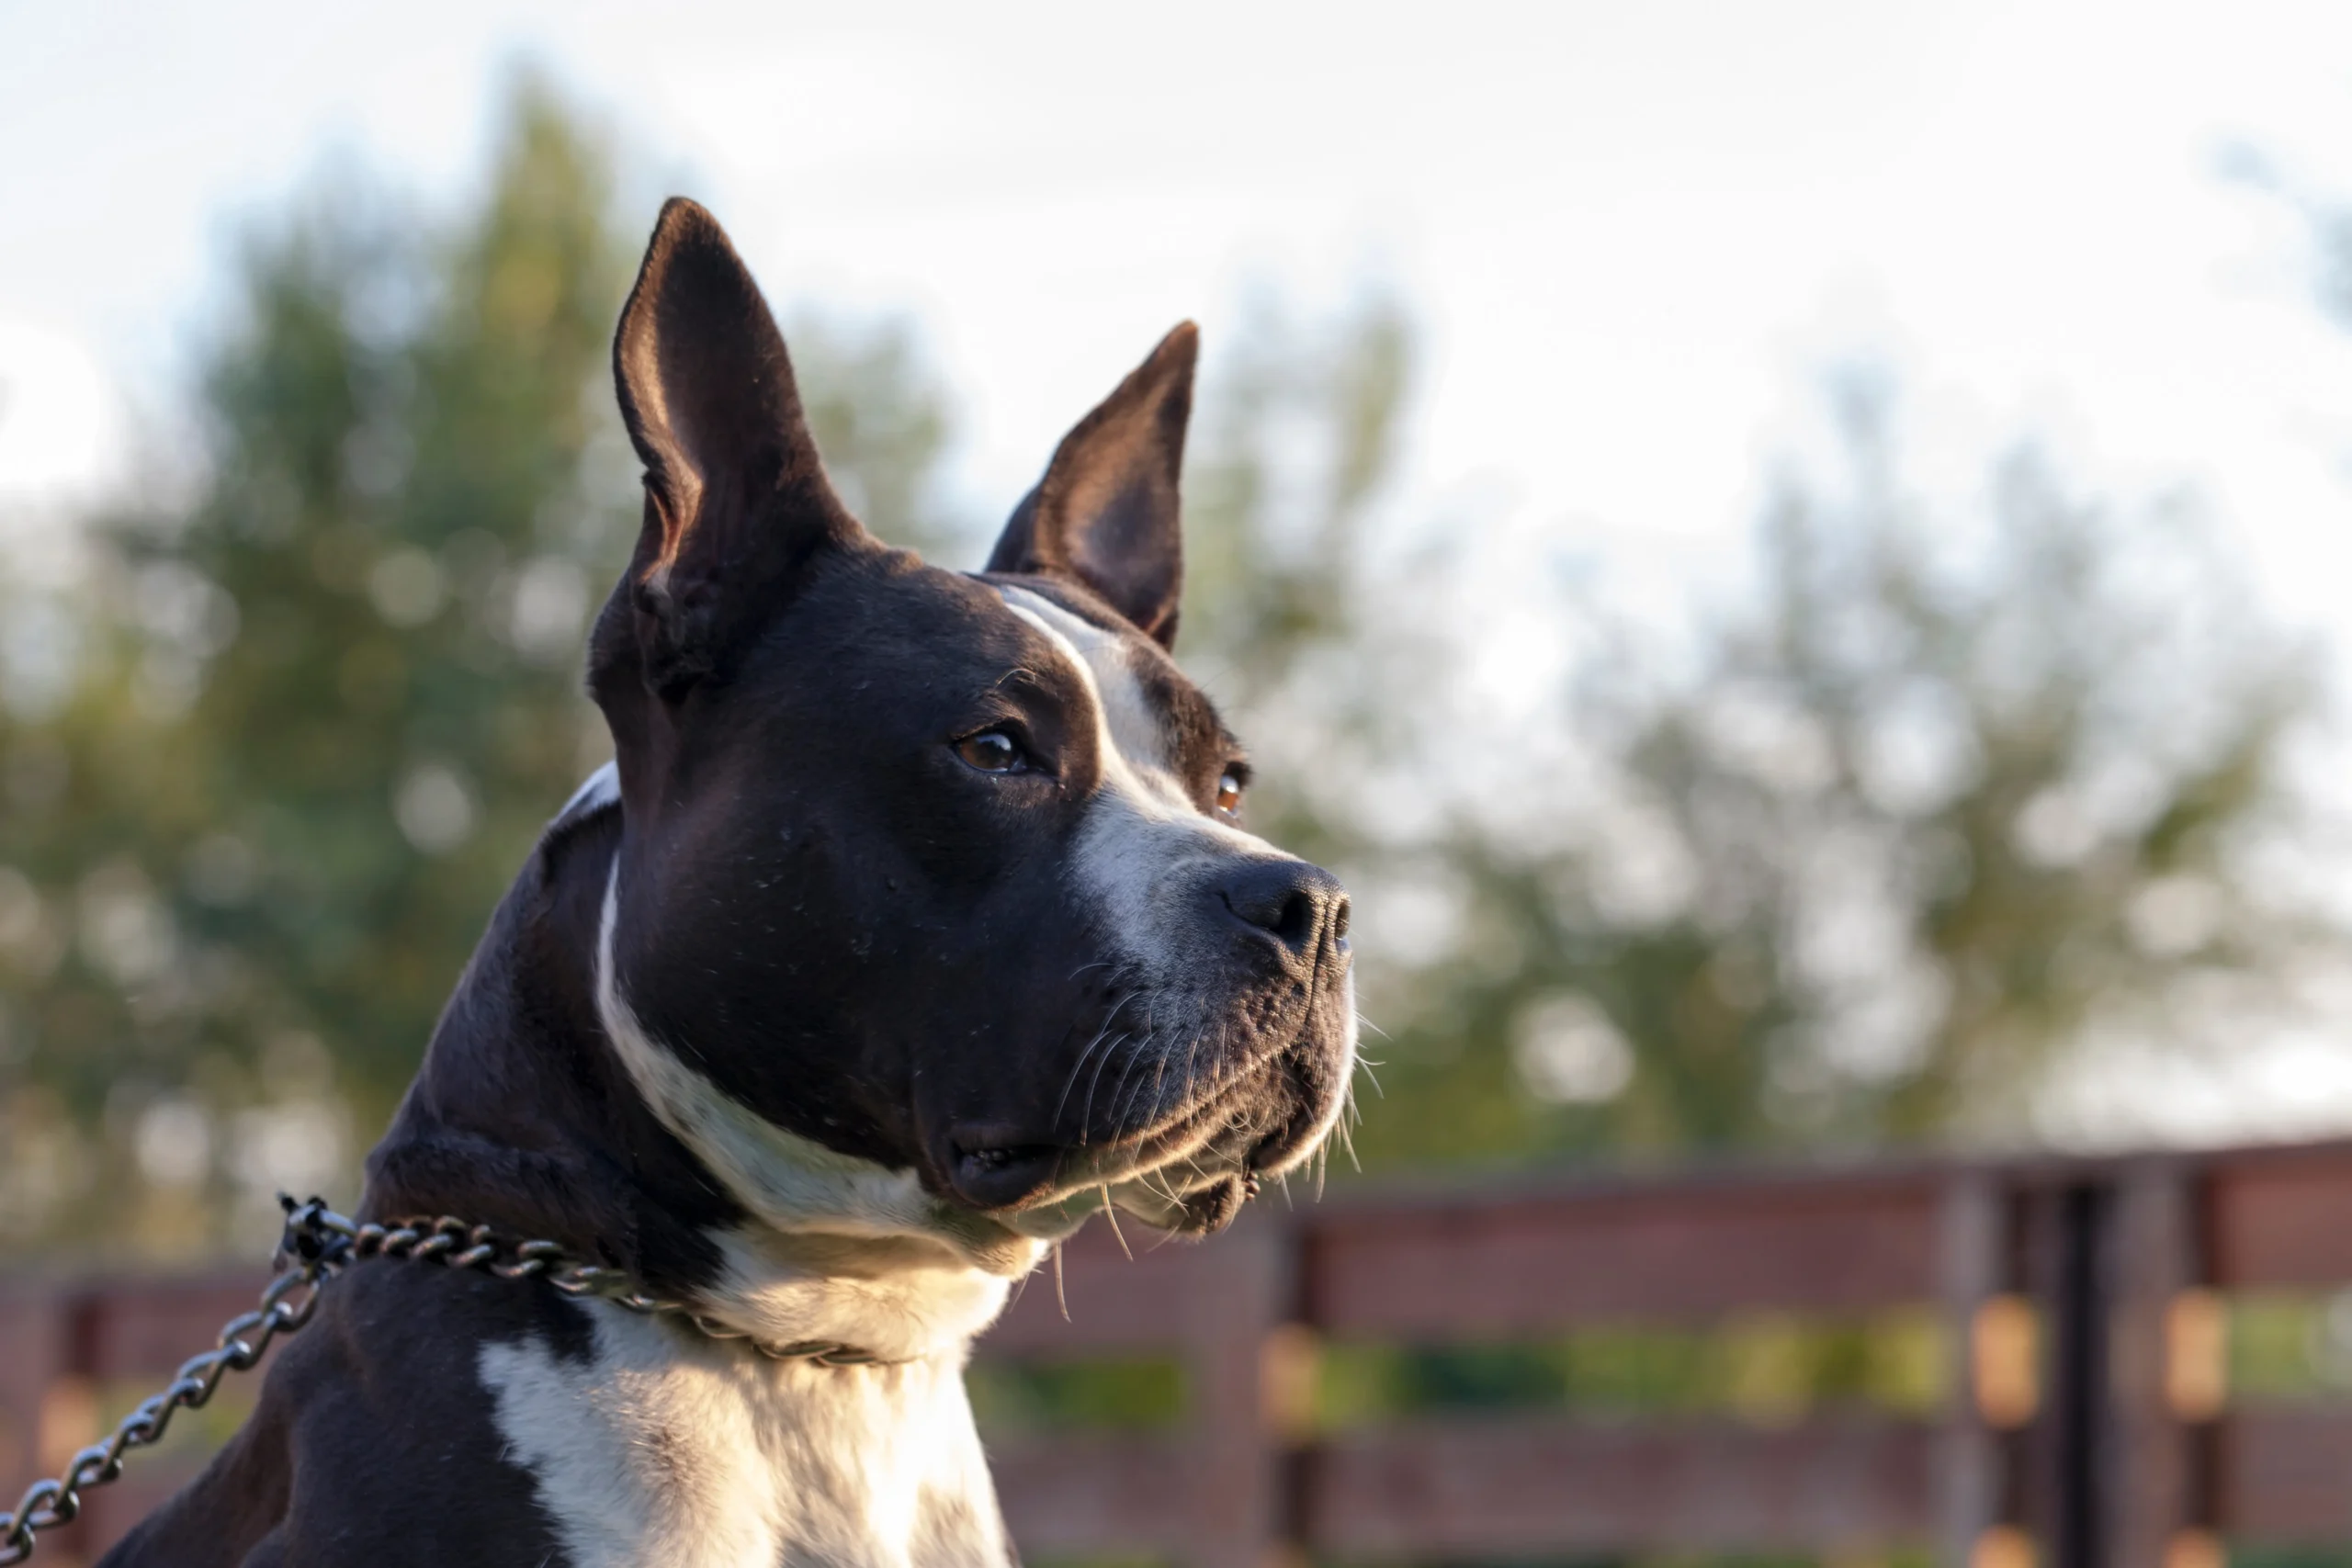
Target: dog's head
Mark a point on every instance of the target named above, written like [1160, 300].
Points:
[934, 907]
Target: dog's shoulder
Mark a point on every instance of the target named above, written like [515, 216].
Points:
[389, 1364]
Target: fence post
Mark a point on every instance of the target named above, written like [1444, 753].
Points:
[1971, 1245]
[2152, 1483]
[36, 1332]
[1238, 1305]
[2080, 1301]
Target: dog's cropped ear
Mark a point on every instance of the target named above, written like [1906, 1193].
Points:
[736, 500]
[1106, 513]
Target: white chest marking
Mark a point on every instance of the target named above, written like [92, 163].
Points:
[663, 1448]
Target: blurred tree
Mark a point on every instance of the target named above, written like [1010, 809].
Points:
[1938, 803]
[342, 689]
[1284, 562]
[879, 415]
[326, 701]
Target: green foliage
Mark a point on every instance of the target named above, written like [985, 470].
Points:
[343, 684]
[1850, 866]
[2285, 1346]
[1299, 432]
[1768, 1369]
[330, 694]
[1941, 801]
[1012, 1397]
[881, 421]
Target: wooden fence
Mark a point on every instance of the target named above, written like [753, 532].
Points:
[2085, 1418]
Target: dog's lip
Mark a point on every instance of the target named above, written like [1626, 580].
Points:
[1205, 1210]
[1008, 1167]
[1008, 1171]
[996, 1167]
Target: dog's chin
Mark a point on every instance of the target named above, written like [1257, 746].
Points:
[1047, 1193]
[1193, 1194]
[1205, 1204]
[1179, 1183]
[1202, 1210]
[1189, 1174]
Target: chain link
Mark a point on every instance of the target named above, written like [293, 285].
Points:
[318, 1244]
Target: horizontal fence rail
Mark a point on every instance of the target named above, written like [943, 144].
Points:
[1997, 1363]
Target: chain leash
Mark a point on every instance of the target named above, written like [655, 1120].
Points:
[318, 1244]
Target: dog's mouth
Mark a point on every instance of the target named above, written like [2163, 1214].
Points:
[1030, 1189]
[1192, 1174]
[1046, 1188]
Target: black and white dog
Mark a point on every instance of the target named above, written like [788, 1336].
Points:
[915, 921]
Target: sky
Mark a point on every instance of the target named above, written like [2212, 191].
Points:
[1635, 237]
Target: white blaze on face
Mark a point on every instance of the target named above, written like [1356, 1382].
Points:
[1145, 843]
[1143, 832]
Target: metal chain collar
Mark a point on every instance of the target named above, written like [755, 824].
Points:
[319, 1244]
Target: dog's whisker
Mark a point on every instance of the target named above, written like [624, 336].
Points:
[1146, 1103]
[1157, 1081]
[1191, 1057]
[1118, 1091]
[1164, 1190]
[1135, 1049]
[1086, 1117]
[1076, 1067]
[1099, 1035]
[1112, 1214]
[1153, 1048]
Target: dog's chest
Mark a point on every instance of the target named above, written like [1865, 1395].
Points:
[664, 1447]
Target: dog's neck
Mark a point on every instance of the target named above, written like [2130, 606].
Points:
[833, 1247]
[544, 1109]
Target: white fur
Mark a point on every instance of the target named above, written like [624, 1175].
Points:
[1143, 831]
[666, 1448]
[597, 791]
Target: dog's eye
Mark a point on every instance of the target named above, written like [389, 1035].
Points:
[1229, 792]
[992, 752]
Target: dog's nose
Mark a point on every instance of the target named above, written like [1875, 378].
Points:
[1294, 903]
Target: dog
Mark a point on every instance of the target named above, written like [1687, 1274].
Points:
[914, 921]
